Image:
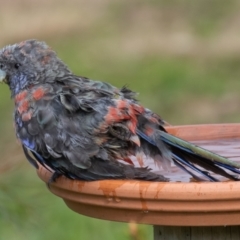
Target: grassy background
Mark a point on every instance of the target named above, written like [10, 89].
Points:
[182, 56]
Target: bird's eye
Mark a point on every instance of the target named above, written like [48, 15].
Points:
[17, 65]
[1, 66]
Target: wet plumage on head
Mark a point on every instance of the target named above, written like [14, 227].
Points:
[91, 130]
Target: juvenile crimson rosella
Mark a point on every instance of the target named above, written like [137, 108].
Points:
[89, 130]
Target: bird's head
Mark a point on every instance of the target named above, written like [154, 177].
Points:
[29, 63]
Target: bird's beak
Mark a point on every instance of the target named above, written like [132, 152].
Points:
[3, 76]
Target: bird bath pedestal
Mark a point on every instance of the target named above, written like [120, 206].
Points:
[178, 210]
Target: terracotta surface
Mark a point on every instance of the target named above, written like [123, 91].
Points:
[173, 204]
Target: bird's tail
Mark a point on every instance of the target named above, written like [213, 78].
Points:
[196, 161]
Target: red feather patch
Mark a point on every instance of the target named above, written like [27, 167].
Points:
[20, 96]
[38, 93]
[124, 110]
[23, 107]
[26, 116]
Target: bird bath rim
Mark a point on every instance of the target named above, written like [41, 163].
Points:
[158, 203]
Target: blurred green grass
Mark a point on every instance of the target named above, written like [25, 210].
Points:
[170, 86]
[189, 79]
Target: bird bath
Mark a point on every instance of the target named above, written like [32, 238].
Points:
[178, 210]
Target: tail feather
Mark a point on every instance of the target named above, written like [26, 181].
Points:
[188, 156]
[189, 172]
[230, 168]
[205, 163]
[191, 166]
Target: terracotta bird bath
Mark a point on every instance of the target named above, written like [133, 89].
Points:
[178, 210]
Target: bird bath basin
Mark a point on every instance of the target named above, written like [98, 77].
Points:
[181, 205]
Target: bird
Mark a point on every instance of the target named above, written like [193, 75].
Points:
[91, 130]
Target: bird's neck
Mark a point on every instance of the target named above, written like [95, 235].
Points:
[18, 84]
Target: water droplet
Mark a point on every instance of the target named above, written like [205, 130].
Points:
[117, 200]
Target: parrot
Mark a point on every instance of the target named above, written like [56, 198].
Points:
[90, 130]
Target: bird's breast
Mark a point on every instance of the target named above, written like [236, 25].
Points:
[24, 101]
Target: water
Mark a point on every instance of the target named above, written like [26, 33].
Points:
[229, 148]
